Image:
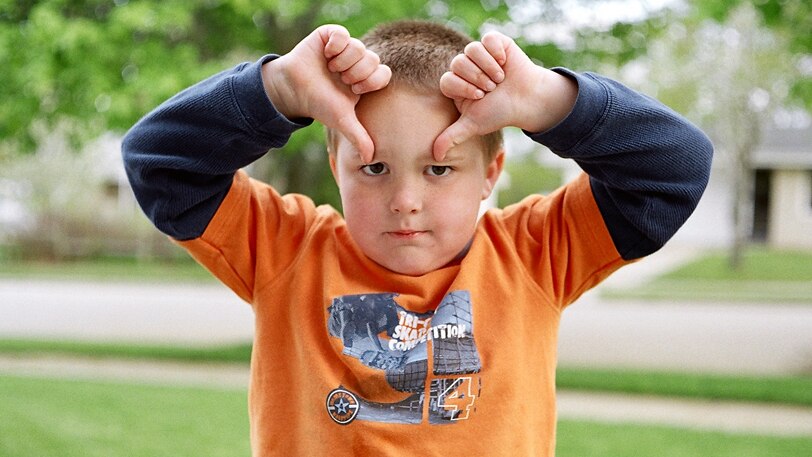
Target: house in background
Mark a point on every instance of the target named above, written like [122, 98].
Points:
[782, 215]
[782, 211]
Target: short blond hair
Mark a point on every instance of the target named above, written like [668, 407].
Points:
[418, 53]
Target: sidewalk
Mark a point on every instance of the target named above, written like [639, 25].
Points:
[724, 416]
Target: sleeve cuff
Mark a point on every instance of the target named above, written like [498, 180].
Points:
[589, 110]
[256, 107]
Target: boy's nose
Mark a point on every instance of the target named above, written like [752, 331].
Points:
[406, 200]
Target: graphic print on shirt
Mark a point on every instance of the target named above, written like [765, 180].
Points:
[383, 335]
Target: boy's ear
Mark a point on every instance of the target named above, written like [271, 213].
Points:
[492, 173]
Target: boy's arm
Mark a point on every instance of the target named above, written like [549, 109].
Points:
[648, 166]
[181, 158]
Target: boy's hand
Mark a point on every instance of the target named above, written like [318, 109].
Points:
[494, 85]
[323, 78]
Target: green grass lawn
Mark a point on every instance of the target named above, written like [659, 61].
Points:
[107, 269]
[774, 389]
[778, 389]
[59, 418]
[595, 439]
[766, 276]
[236, 353]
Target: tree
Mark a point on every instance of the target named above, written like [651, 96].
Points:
[90, 66]
[731, 77]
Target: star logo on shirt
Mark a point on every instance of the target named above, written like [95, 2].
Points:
[342, 406]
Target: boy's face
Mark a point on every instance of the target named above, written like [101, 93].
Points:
[407, 211]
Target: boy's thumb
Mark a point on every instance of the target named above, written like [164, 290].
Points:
[456, 133]
[357, 135]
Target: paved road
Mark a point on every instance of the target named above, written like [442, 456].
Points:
[162, 313]
[724, 338]
[757, 339]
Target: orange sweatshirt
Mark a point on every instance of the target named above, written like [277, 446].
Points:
[352, 359]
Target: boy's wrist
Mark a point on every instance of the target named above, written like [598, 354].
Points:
[552, 98]
[278, 88]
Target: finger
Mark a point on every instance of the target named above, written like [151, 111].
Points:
[454, 87]
[357, 135]
[349, 56]
[376, 81]
[335, 39]
[497, 45]
[463, 67]
[361, 69]
[484, 60]
[456, 133]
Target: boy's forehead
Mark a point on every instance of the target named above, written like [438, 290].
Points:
[401, 105]
[424, 154]
[403, 119]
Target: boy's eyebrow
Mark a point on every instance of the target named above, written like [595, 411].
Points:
[452, 156]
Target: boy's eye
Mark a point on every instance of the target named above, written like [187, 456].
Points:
[438, 170]
[374, 169]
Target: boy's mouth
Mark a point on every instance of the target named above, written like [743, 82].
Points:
[406, 234]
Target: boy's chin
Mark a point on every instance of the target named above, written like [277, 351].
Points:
[409, 270]
[414, 267]
[410, 267]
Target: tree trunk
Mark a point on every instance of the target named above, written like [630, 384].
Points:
[742, 211]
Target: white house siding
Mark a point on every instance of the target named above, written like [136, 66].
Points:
[791, 209]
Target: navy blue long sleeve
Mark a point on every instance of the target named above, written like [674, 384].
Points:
[648, 165]
[181, 158]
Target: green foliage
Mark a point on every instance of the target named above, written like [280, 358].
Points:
[793, 17]
[106, 63]
[101, 65]
[789, 19]
[90, 66]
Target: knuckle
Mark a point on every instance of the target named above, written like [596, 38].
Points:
[472, 46]
[356, 44]
[347, 78]
[360, 87]
[458, 61]
[373, 57]
[483, 80]
[491, 36]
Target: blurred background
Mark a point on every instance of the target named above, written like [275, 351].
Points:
[111, 339]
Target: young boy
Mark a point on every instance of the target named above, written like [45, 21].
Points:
[407, 326]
